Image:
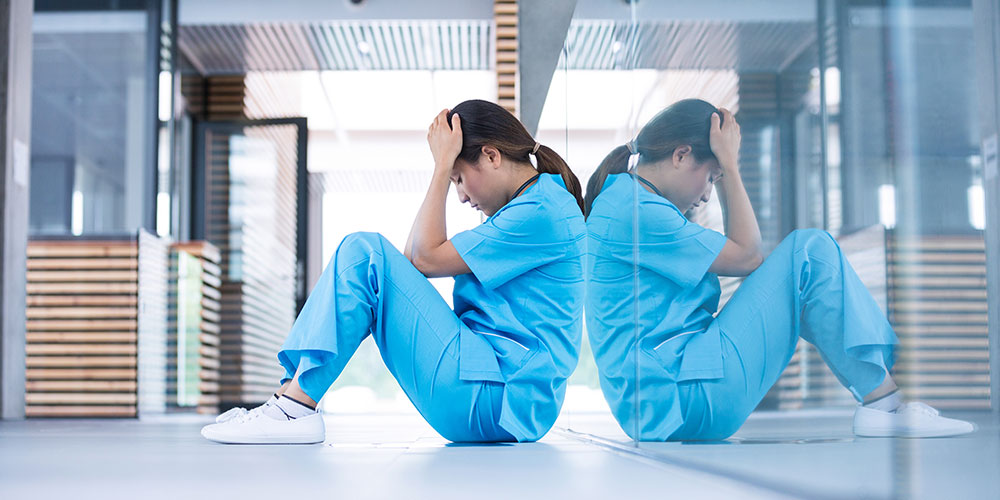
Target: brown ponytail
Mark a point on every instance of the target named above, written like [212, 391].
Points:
[615, 163]
[485, 123]
[549, 162]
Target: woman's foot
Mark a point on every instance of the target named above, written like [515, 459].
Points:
[285, 421]
[912, 420]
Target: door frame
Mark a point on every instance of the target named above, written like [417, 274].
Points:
[197, 208]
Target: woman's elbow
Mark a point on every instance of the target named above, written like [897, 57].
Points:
[752, 262]
[426, 267]
[418, 263]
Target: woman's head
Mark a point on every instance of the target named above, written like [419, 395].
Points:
[496, 148]
[673, 150]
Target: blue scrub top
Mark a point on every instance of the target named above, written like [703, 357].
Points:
[677, 298]
[523, 302]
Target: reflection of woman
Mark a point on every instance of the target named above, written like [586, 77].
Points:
[495, 367]
[700, 376]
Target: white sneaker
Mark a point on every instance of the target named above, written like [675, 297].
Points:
[912, 420]
[256, 427]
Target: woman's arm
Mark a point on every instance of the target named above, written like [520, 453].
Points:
[428, 247]
[741, 254]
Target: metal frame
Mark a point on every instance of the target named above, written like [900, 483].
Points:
[302, 185]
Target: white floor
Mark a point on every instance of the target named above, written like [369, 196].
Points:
[802, 454]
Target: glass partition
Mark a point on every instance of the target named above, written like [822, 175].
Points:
[91, 110]
[590, 109]
[860, 157]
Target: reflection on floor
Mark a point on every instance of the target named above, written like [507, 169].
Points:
[399, 456]
[814, 454]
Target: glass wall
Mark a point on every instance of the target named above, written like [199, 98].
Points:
[92, 112]
[857, 118]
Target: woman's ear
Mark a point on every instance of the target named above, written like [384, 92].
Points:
[491, 155]
[680, 154]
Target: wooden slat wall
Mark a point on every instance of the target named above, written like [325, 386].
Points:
[215, 97]
[82, 328]
[194, 341]
[252, 220]
[938, 307]
[253, 96]
[505, 16]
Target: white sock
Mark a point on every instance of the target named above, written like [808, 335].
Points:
[286, 408]
[888, 403]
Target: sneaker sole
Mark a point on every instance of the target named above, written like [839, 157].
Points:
[884, 432]
[211, 436]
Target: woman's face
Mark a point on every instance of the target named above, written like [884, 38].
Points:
[689, 184]
[479, 184]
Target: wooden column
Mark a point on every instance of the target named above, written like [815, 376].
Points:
[505, 16]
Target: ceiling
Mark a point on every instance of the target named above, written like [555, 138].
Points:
[746, 46]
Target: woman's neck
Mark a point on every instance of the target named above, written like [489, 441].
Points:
[521, 176]
[651, 175]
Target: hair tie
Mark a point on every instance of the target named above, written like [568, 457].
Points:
[535, 149]
[632, 149]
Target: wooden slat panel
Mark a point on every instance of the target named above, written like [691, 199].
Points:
[81, 300]
[82, 249]
[82, 322]
[79, 349]
[82, 288]
[81, 373]
[77, 263]
[77, 385]
[79, 361]
[79, 398]
[97, 336]
[80, 411]
[81, 312]
[53, 324]
[93, 276]
[939, 310]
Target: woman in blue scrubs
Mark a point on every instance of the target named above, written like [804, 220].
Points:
[495, 367]
[682, 372]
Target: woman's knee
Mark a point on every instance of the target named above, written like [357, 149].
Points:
[363, 238]
[814, 240]
[358, 243]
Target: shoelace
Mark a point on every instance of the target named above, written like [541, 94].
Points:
[249, 415]
[231, 414]
[917, 406]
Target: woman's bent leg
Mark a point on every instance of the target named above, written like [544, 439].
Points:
[371, 288]
[804, 288]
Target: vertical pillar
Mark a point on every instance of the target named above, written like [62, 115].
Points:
[987, 17]
[15, 142]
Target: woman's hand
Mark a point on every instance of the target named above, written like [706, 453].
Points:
[445, 141]
[725, 140]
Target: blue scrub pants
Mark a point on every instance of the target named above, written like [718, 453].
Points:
[805, 288]
[369, 287]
